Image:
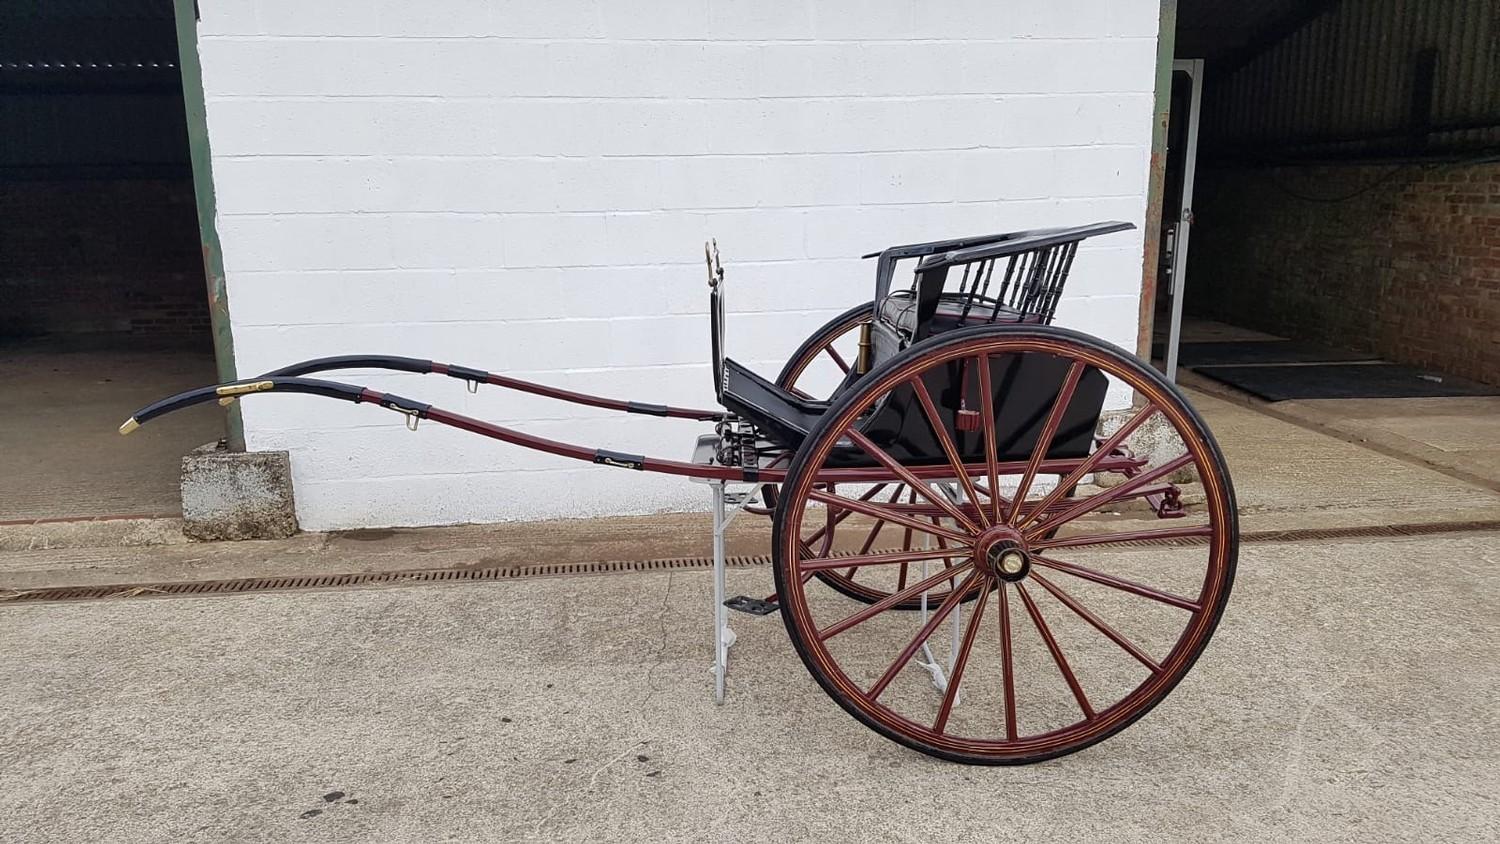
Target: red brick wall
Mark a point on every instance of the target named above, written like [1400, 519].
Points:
[1409, 268]
[101, 256]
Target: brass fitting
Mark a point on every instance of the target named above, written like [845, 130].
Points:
[242, 389]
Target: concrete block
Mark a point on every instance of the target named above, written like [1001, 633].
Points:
[237, 495]
[1156, 440]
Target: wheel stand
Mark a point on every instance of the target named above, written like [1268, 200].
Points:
[727, 505]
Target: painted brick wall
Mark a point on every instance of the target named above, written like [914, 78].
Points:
[525, 187]
[1409, 269]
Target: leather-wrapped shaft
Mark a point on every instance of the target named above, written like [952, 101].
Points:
[280, 384]
[415, 410]
[475, 377]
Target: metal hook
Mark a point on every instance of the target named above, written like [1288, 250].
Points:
[472, 385]
[711, 258]
[412, 417]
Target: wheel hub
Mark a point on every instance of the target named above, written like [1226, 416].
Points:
[1001, 553]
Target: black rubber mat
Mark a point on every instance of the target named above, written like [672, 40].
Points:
[1236, 352]
[1343, 381]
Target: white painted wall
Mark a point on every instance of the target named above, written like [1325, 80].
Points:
[525, 187]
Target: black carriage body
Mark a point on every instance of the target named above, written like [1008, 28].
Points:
[1025, 388]
[1014, 278]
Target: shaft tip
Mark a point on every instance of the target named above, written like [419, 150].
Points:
[130, 425]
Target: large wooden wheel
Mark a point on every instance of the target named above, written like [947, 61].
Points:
[817, 366]
[825, 357]
[1049, 623]
[813, 370]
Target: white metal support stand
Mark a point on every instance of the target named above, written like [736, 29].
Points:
[727, 505]
[933, 667]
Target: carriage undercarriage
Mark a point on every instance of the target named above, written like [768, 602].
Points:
[958, 543]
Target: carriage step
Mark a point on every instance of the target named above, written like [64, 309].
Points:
[753, 606]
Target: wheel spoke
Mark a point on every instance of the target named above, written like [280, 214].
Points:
[938, 617]
[1124, 536]
[1098, 623]
[945, 440]
[1057, 655]
[917, 484]
[880, 523]
[991, 459]
[1099, 500]
[887, 602]
[1007, 666]
[1116, 582]
[955, 677]
[818, 534]
[906, 537]
[883, 558]
[1048, 434]
[879, 512]
[837, 358]
[875, 531]
[1104, 450]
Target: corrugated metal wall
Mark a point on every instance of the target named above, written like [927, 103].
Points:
[90, 88]
[1366, 78]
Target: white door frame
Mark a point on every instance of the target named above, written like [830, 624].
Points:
[1194, 69]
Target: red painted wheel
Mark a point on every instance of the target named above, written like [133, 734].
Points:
[817, 366]
[1078, 622]
[813, 370]
[824, 358]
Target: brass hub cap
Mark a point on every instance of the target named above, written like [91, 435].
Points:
[1001, 553]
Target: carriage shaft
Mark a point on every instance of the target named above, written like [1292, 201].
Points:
[475, 377]
[415, 411]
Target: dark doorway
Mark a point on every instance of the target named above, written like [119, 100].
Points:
[102, 298]
[1345, 194]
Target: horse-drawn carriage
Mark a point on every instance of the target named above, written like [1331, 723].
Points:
[966, 477]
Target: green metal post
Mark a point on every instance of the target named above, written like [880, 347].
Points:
[203, 188]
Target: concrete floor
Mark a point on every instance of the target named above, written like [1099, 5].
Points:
[60, 455]
[1196, 330]
[1349, 696]
[1459, 436]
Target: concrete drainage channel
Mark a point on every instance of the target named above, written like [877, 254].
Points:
[241, 586]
